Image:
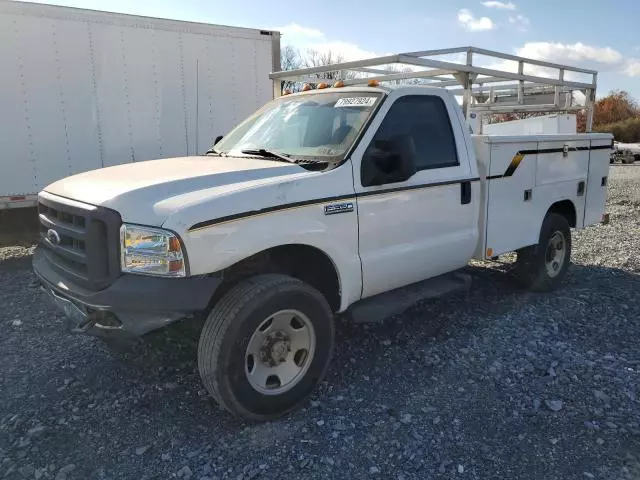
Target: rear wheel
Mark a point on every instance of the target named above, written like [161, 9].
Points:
[265, 346]
[542, 267]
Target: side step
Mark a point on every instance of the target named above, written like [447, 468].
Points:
[387, 304]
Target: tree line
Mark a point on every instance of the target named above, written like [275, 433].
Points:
[617, 113]
[292, 58]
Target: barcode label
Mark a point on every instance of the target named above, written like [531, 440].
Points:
[356, 102]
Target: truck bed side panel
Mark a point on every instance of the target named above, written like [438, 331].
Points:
[525, 178]
[597, 181]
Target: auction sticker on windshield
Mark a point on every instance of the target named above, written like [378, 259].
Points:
[356, 102]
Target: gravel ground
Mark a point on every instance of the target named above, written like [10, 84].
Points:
[499, 384]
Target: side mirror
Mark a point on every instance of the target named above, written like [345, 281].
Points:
[218, 138]
[388, 161]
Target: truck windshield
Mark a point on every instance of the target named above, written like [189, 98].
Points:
[315, 127]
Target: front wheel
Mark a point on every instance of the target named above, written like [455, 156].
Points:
[542, 267]
[265, 346]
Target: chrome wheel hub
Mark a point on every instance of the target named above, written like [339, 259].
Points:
[280, 352]
[275, 348]
[555, 254]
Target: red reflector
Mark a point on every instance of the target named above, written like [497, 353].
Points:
[13, 199]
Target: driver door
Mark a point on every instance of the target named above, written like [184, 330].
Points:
[426, 225]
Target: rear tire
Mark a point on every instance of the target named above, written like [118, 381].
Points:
[541, 267]
[265, 346]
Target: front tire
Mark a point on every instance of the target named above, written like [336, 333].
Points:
[541, 267]
[265, 346]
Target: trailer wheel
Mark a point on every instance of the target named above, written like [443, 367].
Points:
[541, 267]
[265, 346]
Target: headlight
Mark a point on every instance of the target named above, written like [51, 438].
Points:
[151, 251]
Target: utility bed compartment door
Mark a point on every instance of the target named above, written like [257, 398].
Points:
[562, 161]
[562, 173]
[597, 181]
[512, 172]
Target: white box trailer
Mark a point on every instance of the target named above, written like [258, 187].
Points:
[544, 125]
[83, 89]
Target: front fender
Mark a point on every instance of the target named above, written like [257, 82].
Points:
[216, 247]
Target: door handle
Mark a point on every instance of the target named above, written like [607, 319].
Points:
[465, 193]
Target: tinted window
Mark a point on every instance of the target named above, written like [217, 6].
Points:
[425, 119]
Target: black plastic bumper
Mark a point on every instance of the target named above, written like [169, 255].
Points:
[131, 306]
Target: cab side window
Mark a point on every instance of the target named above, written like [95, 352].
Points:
[424, 120]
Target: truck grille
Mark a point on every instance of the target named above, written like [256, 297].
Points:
[81, 241]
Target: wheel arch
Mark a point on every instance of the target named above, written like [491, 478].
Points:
[307, 263]
[567, 209]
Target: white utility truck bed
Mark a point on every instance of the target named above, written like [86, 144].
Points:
[540, 125]
[341, 198]
[549, 167]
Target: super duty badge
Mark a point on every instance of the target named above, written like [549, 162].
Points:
[338, 208]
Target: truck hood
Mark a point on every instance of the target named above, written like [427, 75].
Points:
[149, 192]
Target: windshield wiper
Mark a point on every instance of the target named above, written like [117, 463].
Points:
[269, 154]
[284, 157]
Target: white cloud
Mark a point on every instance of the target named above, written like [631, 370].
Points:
[570, 53]
[473, 24]
[305, 38]
[520, 22]
[295, 29]
[294, 33]
[601, 59]
[349, 51]
[499, 5]
[633, 68]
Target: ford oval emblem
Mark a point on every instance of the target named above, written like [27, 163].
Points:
[53, 237]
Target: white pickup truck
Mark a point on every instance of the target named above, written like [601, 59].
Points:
[318, 204]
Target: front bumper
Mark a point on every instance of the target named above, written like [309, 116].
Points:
[131, 306]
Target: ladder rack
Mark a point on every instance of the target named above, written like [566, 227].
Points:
[487, 81]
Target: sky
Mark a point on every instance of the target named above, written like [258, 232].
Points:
[595, 34]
